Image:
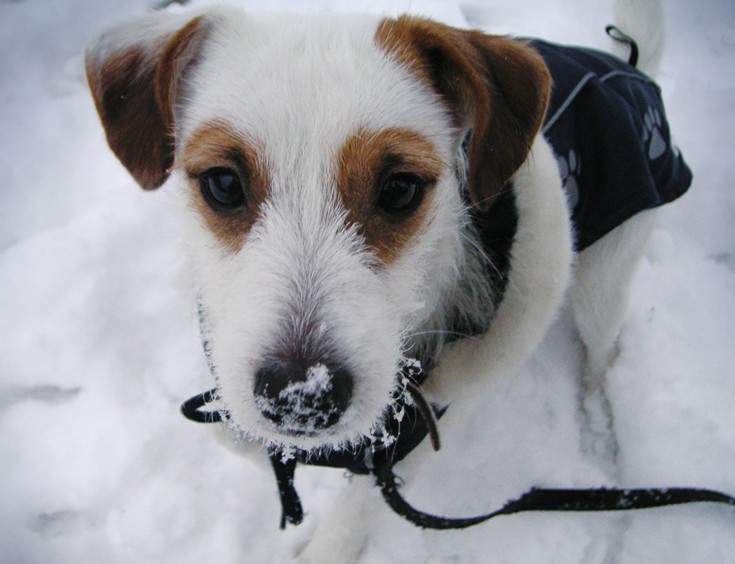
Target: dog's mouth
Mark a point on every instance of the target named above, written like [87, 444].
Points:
[317, 407]
[309, 408]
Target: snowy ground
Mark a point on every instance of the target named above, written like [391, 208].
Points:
[99, 341]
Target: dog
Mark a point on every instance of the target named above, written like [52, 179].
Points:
[357, 191]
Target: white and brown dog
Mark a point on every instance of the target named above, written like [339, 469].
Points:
[340, 179]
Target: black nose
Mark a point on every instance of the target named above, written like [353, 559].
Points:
[303, 399]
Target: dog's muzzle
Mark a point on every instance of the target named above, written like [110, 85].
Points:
[303, 400]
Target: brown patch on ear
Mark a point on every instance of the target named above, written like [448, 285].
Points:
[218, 146]
[365, 161]
[135, 89]
[495, 86]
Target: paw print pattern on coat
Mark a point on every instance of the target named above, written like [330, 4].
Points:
[570, 168]
[652, 134]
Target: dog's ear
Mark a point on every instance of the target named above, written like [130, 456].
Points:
[136, 72]
[495, 86]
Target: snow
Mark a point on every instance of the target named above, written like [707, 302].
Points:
[100, 343]
[318, 381]
[303, 406]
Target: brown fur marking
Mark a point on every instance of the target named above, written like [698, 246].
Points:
[218, 146]
[135, 90]
[495, 86]
[364, 163]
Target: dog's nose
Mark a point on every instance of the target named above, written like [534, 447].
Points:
[303, 400]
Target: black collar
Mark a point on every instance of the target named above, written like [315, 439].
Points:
[408, 421]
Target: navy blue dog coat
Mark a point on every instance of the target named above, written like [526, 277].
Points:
[607, 126]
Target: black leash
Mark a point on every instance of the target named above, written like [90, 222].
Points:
[291, 510]
[378, 455]
[538, 499]
[192, 408]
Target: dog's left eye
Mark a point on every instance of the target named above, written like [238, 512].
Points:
[221, 188]
[401, 194]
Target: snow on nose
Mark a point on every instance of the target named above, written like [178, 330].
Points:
[303, 401]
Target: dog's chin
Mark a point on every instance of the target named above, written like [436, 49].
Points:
[309, 441]
[355, 427]
[352, 430]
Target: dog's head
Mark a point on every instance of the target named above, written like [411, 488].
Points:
[327, 165]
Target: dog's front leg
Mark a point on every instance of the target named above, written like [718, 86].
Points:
[341, 535]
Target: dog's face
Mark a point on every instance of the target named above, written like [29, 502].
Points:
[326, 178]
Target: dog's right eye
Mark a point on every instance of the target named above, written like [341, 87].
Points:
[222, 189]
[401, 194]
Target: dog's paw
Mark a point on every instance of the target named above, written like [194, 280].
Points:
[341, 535]
[598, 438]
[335, 545]
[570, 169]
[653, 140]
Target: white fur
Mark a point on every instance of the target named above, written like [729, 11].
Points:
[538, 281]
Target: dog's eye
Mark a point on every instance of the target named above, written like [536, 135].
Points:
[401, 194]
[221, 188]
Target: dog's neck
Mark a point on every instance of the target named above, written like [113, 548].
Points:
[470, 306]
